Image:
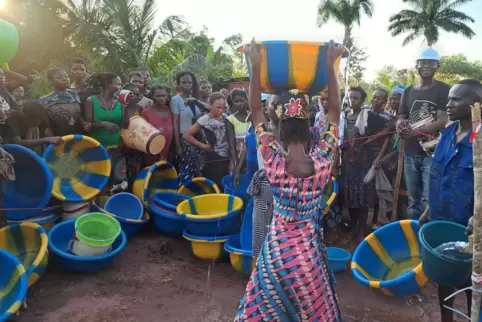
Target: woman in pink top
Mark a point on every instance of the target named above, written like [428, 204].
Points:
[160, 116]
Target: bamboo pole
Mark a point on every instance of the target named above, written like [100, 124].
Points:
[477, 234]
[398, 179]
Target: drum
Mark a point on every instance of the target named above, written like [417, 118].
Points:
[142, 136]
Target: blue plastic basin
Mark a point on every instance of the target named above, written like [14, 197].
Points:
[125, 205]
[230, 189]
[167, 223]
[60, 237]
[168, 201]
[337, 258]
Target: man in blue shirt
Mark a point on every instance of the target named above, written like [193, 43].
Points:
[451, 188]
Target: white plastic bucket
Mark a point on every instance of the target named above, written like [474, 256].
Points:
[75, 210]
[81, 249]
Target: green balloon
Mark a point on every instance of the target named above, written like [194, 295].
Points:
[8, 41]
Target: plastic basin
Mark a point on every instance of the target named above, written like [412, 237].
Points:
[81, 168]
[293, 64]
[207, 248]
[97, 229]
[211, 206]
[13, 285]
[32, 187]
[440, 269]
[198, 186]
[160, 177]
[130, 227]
[239, 191]
[125, 205]
[329, 195]
[389, 259]
[168, 223]
[226, 225]
[60, 237]
[28, 242]
[337, 258]
[241, 259]
[168, 201]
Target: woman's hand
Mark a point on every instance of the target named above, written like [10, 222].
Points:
[191, 101]
[470, 227]
[253, 53]
[4, 155]
[377, 163]
[232, 167]
[237, 177]
[56, 140]
[207, 147]
[332, 53]
[111, 127]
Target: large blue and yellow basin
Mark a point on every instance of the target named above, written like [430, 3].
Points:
[198, 186]
[28, 242]
[160, 177]
[13, 285]
[287, 65]
[329, 195]
[208, 248]
[32, 186]
[210, 206]
[81, 168]
[241, 259]
[389, 259]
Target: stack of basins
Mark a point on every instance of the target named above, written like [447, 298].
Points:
[211, 220]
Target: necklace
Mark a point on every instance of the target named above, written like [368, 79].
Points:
[109, 110]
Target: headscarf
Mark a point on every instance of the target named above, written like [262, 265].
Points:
[399, 89]
[66, 97]
[293, 104]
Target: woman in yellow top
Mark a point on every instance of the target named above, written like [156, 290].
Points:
[238, 100]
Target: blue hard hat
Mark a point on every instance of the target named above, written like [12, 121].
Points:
[429, 54]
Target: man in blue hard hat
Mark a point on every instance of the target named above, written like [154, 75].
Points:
[422, 115]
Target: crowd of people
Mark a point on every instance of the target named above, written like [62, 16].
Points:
[288, 145]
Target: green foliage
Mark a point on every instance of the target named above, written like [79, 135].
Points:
[357, 59]
[428, 17]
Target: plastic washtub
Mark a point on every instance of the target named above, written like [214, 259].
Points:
[389, 259]
[81, 167]
[13, 285]
[289, 64]
[210, 206]
[60, 238]
[241, 190]
[168, 201]
[207, 248]
[97, 229]
[125, 205]
[167, 222]
[160, 177]
[198, 186]
[32, 186]
[130, 227]
[442, 270]
[241, 259]
[28, 242]
[337, 258]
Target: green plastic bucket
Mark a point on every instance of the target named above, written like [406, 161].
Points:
[97, 229]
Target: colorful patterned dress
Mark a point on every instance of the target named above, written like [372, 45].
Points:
[291, 281]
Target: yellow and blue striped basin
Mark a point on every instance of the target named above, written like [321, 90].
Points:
[329, 195]
[28, 242]
[13, 285]
[47, 222]
[210, 206]
[81, 167]
[160, 177]
[287, 65]
[389, 259]
[198, 186]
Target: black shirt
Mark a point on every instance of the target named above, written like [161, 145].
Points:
[422, 105]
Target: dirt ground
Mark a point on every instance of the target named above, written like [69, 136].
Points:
[157, 279]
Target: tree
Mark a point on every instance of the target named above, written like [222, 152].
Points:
[345, 12]
[457, 67]
[358, 57]
[428, 17]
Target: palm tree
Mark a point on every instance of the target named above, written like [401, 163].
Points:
[428, 17]
[345, 12]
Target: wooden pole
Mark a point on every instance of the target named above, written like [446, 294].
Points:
[477, 235]
[398, 179]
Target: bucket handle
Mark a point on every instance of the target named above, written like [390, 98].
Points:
[454, 294]
[441, 255]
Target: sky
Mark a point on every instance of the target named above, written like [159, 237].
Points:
[296, 20]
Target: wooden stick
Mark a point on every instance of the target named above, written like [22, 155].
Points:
[398, 179]
[477, 251]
